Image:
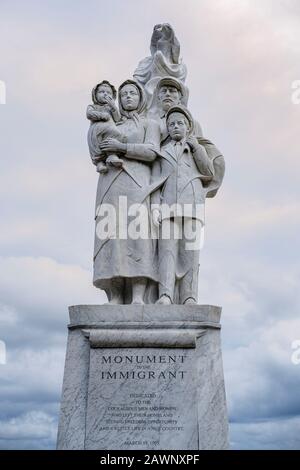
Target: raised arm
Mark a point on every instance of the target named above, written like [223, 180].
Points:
[93, 115]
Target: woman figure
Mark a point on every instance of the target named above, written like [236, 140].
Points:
[127, 268]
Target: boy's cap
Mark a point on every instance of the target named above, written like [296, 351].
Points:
[183, 110]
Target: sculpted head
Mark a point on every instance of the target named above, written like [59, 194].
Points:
[130, 97]
[102, 91]
[179, 123]
[162, 30]
[169, 93]
[164, 34]
[168, 96]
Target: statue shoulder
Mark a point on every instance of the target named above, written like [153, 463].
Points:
[152, 122]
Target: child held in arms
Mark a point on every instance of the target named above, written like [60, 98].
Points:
[103, 115]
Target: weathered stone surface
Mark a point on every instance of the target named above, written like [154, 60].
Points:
[153, 407]
[124, 391]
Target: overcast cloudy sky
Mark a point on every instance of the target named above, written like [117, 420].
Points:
[242, 58]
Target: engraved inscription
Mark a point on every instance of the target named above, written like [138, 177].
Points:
[138, 399]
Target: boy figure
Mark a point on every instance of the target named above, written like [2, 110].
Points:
[178, 208]
[104, 115]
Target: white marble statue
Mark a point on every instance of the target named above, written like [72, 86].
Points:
[155, 171]
[152, 154]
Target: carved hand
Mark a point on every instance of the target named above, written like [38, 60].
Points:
[111, 103]
[112, 145]
[193, 143]
[156, 217]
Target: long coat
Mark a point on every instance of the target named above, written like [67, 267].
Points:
[127, 258]
[183, 175]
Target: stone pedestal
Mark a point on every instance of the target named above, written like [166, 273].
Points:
[143, 377]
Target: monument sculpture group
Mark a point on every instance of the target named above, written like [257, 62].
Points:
[144, 371]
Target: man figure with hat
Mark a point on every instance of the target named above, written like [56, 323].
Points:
[169, 92]
[184, 168]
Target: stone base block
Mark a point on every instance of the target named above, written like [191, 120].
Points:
[143, 377]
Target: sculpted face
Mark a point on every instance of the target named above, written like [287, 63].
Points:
[178, 126]
[102, 92]
[130, 97]
[168, 96]
[162, 31]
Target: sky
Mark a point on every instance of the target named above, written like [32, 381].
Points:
[242, 58]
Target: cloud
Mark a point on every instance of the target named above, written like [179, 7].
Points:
[273, 434]
[33, 430]
[35, 294]
[242, 57]
[260, 319]
[261, 377]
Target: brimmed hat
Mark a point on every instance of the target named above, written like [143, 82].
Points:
[170, 81]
